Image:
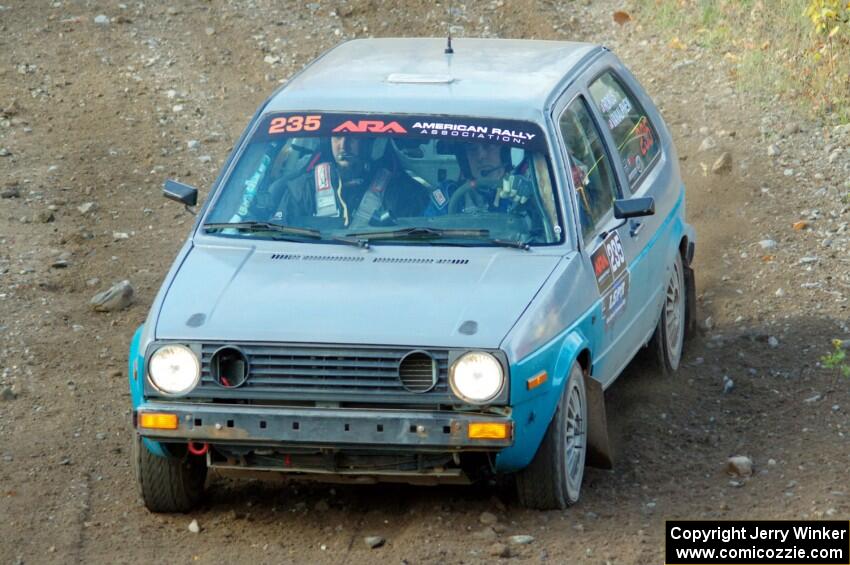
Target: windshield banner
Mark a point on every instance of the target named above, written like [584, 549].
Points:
[302, 124]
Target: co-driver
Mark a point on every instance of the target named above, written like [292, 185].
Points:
[488, 183]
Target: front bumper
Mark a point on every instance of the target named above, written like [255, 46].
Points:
[323, 427]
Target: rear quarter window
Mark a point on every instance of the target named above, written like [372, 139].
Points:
[634, 135]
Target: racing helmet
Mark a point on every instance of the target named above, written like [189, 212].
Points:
[459, 150]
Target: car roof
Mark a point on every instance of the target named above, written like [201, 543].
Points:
[498, 78]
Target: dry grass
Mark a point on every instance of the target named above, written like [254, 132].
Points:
[775, 48]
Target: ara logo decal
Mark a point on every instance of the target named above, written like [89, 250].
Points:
[369, 126]
[600, 264]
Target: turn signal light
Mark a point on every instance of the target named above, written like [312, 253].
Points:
[157, 421]
[488, 430]
[536, 380]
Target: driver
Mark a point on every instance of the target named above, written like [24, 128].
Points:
[487, 183]
[350, 188]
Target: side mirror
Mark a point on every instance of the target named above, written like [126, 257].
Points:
[180, 192]
[634, 207]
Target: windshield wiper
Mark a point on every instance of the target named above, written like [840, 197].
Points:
[264, 226]
[506, 243]
[420, 232]
[434, 233]
[361, 243]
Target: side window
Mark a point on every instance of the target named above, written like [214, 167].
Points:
[635, 136]
[591, 169]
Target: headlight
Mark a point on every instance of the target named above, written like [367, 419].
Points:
[476, 377]
[174, 369]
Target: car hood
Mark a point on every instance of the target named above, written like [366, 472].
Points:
[430, 296]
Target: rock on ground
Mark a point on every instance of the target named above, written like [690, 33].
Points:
[487, 534]
[499, 549]
[45, 216]
[86, 207]
[11, 192]
[707, 144]
[723, 164]
[739, 466]
[118, 297]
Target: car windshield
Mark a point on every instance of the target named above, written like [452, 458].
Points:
[414, 179]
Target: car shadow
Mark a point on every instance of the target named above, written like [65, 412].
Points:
[663, 428]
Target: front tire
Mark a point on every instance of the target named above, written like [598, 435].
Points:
[668, 340]
[553, 478]
[168, 484]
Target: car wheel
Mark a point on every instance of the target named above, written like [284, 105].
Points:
[669, 337]
[553, 478]
[168, 484]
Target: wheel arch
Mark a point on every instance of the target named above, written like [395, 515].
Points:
[584, 360]
[599, 451]
[533, 413]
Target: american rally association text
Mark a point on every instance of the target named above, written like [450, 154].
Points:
[755, 532]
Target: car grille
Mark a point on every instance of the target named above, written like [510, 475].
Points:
[353, 374]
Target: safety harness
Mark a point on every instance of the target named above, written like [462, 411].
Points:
[328, 204]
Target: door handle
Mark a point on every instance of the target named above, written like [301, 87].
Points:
[634, 228]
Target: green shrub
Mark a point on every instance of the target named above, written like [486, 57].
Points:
[837, 359]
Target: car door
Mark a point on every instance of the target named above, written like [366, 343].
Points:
[632, 133]
[595, 186]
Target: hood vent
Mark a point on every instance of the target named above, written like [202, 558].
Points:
[296, 257]
[420, 261]
[335, 258]
[351, 259]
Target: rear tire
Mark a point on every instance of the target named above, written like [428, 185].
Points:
[668, 340]
[168, 484]
[553, 478]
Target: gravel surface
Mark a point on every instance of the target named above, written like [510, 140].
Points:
[100, 102]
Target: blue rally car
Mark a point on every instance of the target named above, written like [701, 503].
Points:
[419, 265]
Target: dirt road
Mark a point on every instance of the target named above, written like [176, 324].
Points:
[95, 112]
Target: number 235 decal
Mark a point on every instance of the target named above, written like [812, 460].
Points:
[293, 124]
[609, 261]
[612, 277]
